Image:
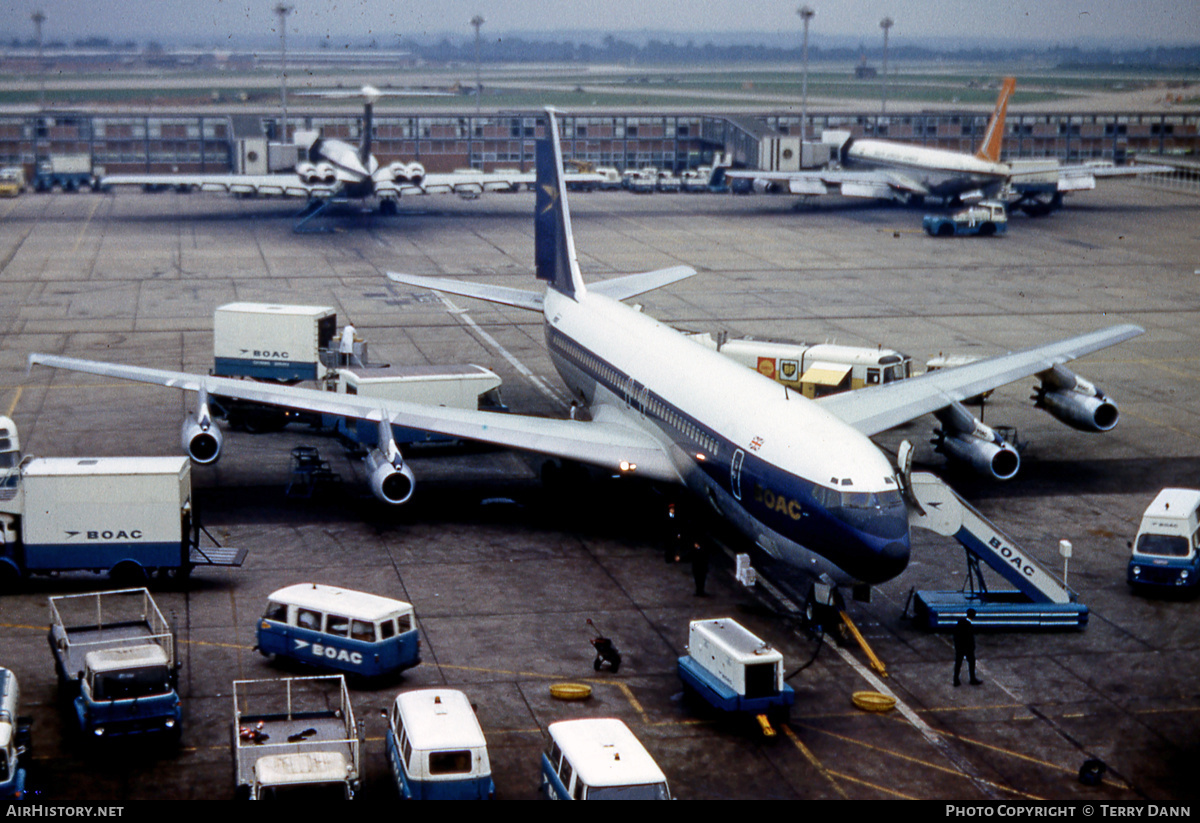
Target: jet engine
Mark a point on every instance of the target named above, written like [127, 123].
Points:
[392, 481]
[964, 438]
[410, 173]
[307, 172]
[1075, 401]
[325, 174]
[200, 434]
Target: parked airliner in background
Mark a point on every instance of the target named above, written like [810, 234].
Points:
[887, 170]
[799, 478]
[330, 170]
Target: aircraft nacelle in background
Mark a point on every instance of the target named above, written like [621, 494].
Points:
[200, 435]
[965, 438]
[1075, 401]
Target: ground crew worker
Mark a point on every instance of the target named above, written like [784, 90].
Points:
[964, 647]
[347, 345]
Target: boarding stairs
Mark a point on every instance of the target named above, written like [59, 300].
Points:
[1039, 599]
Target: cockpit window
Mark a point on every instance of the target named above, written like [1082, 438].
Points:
[869, 500]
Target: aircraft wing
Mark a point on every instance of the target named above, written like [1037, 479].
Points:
[460, 182]
[618, 288]
[605, 444]
[878, 408]
[631, 285]
[476, 182]
[1078, 177]
[879, 185]
[518, 298]
[288, 185]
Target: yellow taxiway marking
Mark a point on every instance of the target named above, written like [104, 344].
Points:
[1158, 422]
[83, 229]
[884, 789]
[814, 762]
[919, 761]
[1024, 757]
[16, 399]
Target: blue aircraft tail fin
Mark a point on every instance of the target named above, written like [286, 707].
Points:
[554, 245]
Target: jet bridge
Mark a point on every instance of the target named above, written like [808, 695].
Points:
[1039, 600]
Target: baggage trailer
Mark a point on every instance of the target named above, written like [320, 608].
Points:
[115, 654]
[735, 671]
[295, 738]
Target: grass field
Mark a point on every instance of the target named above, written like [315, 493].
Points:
[569, 86]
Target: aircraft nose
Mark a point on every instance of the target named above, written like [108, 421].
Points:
[893, 558]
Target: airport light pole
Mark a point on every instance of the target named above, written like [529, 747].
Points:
[477, 21]
[283, 11]
[885, 24]
[806, 14]
[38, 18]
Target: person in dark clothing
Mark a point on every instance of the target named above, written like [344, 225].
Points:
[699, 567]
[964, 647]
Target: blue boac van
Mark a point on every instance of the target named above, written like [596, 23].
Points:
[340, 629]
[599, 759]
[436, 749]
[1166, 552]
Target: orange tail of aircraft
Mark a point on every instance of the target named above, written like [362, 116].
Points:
[993, 138]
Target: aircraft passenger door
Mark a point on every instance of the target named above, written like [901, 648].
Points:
[735, 474]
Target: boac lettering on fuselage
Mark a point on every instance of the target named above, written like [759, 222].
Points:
[778, 502]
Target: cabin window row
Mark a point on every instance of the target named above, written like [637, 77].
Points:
[652, 406]
[339, 625]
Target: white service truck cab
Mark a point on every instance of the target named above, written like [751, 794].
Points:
[1166, 552]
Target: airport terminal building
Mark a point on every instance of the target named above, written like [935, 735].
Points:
[217, 143]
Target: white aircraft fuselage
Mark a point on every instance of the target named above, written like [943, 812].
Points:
[803, 485]
[944, 173]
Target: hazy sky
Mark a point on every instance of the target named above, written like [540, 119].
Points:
[214, 21]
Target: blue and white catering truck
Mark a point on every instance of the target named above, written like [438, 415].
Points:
[1166, 552]
[436, 748]
[341, 629]
[14, 738]
[116, 654]
[599, 759]
[272, 341]
[128, 516]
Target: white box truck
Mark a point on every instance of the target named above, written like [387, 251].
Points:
[270, 341]
[128, 516]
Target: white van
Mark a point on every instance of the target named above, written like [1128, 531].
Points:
[599, 759]
[436, 749]
[1165, 553]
